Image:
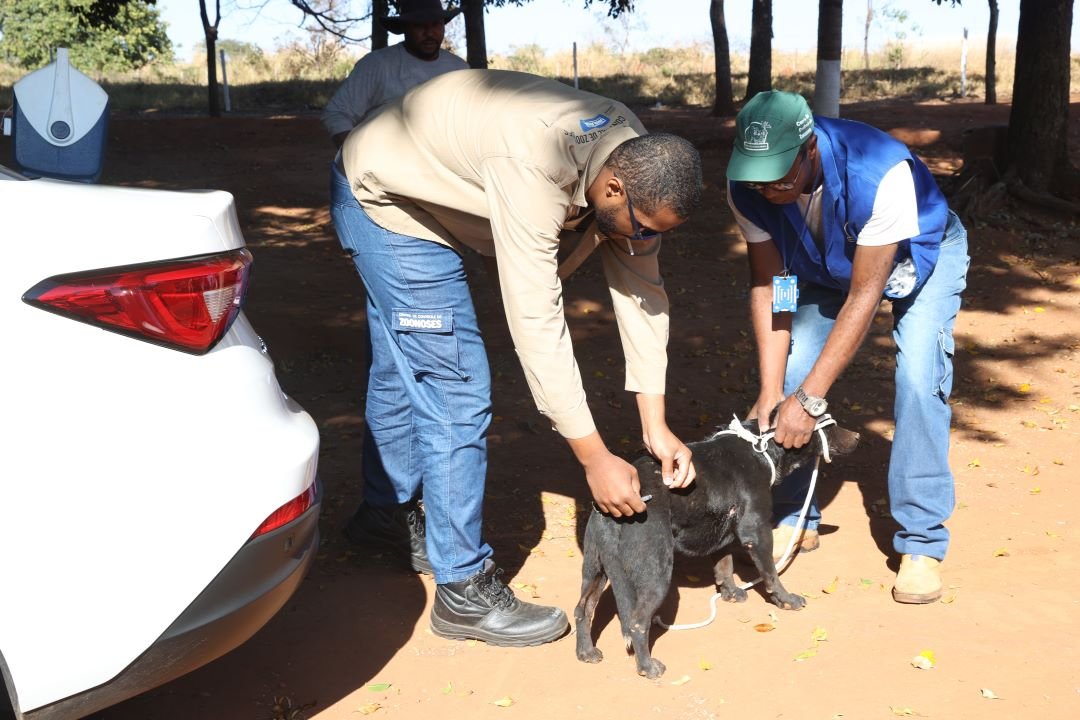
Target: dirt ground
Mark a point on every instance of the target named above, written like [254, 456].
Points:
[354, 641]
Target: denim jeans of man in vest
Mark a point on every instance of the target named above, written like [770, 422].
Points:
[921, 492]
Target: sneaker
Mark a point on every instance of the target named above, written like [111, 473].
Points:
[484, 608]
[781, 536]
[918, 581]
[399, 528]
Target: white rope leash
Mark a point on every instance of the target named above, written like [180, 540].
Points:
[760, 443]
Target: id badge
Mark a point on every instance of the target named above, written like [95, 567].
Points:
[785, 293]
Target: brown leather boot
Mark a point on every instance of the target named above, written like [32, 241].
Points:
[918, 581]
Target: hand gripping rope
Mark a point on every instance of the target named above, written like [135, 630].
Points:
[760, 444]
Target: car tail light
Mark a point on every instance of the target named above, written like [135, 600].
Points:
[187, 304]
[288, 512]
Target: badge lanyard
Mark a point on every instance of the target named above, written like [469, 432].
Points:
[785, 286]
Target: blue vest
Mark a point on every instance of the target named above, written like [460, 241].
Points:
[854, 159]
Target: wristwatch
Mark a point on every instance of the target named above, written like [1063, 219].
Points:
[814, 406]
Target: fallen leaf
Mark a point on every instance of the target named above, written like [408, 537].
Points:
[901, 710]
[831, 587]
[681, 681]
[865, 582]
[923, 661]
[1025, 387]
[819, 635]
[704, 664]
[1035, 491]
[368, 709]
[949, 599]
[1040, 309]
[448, 689]
[988, 694]
[1001, 552]
[504, 702]
[974, 463]
[806, 655]
[764, 627]
[1058, 461]
[378, 687]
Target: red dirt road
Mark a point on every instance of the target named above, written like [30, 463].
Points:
[354, 641]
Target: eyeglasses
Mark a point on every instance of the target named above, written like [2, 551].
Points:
[780, 186]
[641, 234]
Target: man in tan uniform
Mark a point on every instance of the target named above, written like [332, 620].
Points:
[502, 163]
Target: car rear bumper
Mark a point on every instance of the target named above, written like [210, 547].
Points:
[251, 588]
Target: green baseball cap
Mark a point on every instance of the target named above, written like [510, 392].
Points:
[769, 131]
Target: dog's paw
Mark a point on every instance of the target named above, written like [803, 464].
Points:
[732, 594]
[593, 655]
[789, 601]
[651, 669]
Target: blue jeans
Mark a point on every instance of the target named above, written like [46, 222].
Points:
[429, 386]
[921, 493]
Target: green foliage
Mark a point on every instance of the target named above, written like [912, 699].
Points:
[240, 54]
[526, 58]
[101, 35]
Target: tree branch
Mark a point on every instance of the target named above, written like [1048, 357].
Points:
[331, 22]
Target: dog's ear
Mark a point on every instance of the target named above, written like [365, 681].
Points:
[772, 416]
[841, 441]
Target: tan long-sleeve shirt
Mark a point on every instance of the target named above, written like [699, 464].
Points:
[499, 162]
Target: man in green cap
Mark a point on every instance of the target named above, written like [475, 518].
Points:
[837, 215]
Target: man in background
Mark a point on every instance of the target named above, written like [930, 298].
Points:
[391, 72]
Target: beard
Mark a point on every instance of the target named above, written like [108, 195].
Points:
[605, 222]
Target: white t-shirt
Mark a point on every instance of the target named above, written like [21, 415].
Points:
[379, 77]
[895, 218]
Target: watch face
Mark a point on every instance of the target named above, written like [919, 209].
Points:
[817, 407]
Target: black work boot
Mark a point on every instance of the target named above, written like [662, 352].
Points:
[484, 608]
[398, 528]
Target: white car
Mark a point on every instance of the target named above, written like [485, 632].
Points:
[158, 495]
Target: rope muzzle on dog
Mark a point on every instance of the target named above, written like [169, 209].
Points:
[760, 442]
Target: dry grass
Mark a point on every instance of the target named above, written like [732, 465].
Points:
[302, 77]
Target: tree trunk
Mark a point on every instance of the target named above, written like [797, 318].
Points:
[210, 32]
[759, 78]
[724, 105]
[866, 34]
[475, 39]
[991, 52]
[830, 44]
[1040, 107]
[379, 36]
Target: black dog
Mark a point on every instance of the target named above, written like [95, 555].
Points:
[729, 502]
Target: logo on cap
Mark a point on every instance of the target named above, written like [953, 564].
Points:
[756, 136]
[805, 125]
